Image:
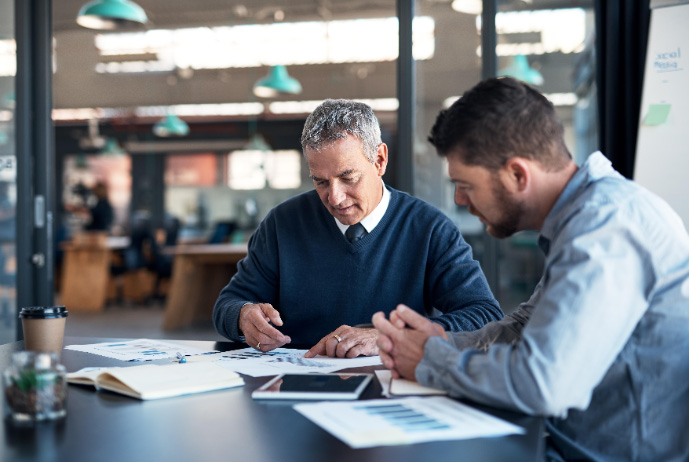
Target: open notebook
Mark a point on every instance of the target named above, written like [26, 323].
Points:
[401, 387]
[154, 381]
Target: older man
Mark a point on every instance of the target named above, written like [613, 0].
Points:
[324, 261]
[601, 347]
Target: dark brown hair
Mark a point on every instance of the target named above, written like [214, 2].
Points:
[499, 119]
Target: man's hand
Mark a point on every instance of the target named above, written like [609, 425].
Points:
[254, 322]
[346, 342]
[402, 339]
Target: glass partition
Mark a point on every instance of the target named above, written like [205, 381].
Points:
[8, 174]
[200, 63]
[546, 44]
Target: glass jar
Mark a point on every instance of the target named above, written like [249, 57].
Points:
[36, 386]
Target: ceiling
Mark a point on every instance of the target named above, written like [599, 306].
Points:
[190, 13]
[454, 67]
[76, 85]
[186, 13]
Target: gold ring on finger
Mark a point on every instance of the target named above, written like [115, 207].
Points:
[338, 338]
[258, 346]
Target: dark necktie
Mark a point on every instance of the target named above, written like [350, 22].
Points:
[355, 232]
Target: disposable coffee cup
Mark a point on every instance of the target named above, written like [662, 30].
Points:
[44, 327]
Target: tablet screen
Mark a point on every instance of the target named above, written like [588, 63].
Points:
[314, 386]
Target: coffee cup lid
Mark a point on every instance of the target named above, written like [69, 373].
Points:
[43, 312]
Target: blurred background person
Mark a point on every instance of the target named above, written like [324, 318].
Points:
[97, 209]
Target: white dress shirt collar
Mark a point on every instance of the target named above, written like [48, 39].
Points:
[371, 220]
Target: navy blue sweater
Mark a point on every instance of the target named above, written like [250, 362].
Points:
[301, 263]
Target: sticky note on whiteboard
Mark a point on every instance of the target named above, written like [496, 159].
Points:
[657, 114]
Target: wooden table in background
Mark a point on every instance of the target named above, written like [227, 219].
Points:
[199, 272]
[86, 270]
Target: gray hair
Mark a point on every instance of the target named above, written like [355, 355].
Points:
[334, 119]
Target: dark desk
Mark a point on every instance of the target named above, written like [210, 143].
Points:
[219, 426]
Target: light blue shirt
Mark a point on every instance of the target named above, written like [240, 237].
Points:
[602, 346]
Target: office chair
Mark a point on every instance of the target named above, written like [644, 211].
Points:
[160, 263]
[135, 280]
[222, 232]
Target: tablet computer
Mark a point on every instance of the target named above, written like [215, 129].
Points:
[314, 387]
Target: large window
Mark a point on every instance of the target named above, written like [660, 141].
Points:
[200, 61]
[550, 49]
[80, 175]
[254, 45]
[239, 187]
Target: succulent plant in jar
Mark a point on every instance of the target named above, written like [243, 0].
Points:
[36, 386]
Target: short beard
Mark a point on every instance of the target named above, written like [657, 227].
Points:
[513, 211]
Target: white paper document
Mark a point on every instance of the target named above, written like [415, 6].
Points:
[388, 422]
[251, 362]
[138, 350]
[398, 387]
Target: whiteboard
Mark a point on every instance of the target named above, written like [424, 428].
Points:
[662, 150]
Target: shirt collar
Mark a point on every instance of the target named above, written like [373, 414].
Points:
[595, 167]
[371, 220]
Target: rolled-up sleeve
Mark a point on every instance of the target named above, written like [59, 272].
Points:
[594, 292]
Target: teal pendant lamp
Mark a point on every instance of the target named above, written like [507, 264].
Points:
[112, 148]
[520, 70]
[257, 143]
[171, 125]
[277, 81]
[111, 14]
[80, 161]
[8, 100]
